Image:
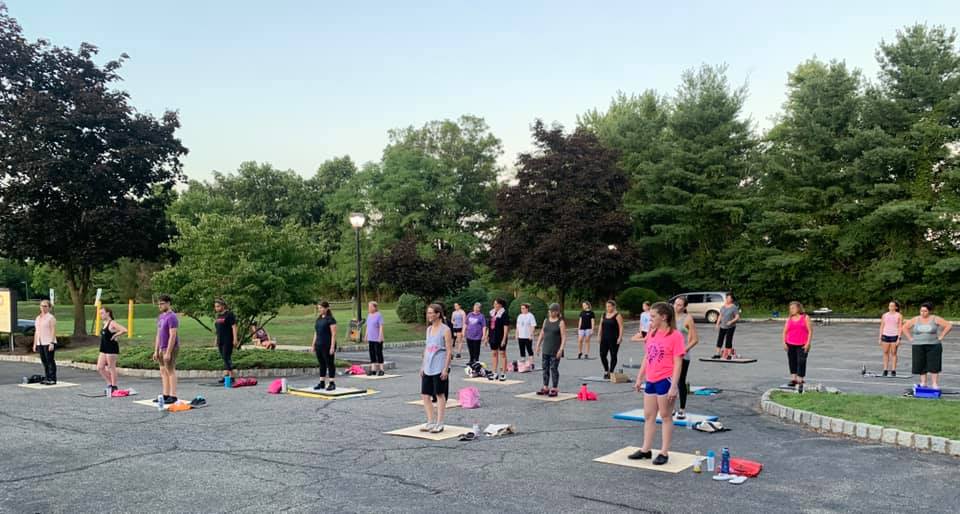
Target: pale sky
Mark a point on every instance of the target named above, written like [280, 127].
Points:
[295, 83]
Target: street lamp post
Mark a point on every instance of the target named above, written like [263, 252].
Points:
[26, 286]
[357, 220]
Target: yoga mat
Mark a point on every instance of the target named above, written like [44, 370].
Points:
[452, 403]
[93, 395]
[58, 385]
[480, 380]
[677, 463]
[594, 379]
[449, 432]
[637, 415]
[544, 398]
[323, 396]
[872, 374]
[373, 377]
[730, 361]
[340, 391]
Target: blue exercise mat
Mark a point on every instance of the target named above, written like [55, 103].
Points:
[637, 415]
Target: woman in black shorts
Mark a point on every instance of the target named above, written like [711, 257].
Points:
[109, 348]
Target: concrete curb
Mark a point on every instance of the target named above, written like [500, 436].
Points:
[860, 431]
[188, 373]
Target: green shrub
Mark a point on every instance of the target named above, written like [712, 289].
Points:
[410, 309]
[632, 298]
[537, 306]
[467, 297]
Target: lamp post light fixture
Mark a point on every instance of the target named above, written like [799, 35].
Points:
[357, 220]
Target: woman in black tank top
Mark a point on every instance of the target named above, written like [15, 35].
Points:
[611, 333]
[109, 348]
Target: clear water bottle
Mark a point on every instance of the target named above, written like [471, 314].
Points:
[283, 385]
[697, 468]
[160, 402]
[711, 461]
[108, 392]
[725, 460]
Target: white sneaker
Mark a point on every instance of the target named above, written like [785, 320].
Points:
[427, 427]
[722, 477]
[437, 428]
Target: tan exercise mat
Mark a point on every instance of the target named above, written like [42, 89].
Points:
[544, 398]
[373, 377]
[309, 394]
[452, 403]
[340, 391]
[449, 432]
[481, 380]
[677, 463]
[54, 386]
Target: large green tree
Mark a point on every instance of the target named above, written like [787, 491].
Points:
[85, 178]
[563, 224]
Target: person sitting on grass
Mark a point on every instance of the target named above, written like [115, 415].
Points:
[261, 339]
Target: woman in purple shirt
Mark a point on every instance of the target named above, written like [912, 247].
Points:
[475, 332]
[375, 339]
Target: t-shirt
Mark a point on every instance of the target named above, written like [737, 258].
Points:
[645, 322]
[661, 349]
[457, 319]
[322, 326]
[435, 351]
[165, 322]
[727, 313]
[374, 324]
[586, 320]
[498, 325]
[223, 326]
[45, 327]
[525, 325]
[475, 324]
[891, 324]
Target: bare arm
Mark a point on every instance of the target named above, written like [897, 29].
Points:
[234, 335]
[563, 337]
[118, 329]
[448, 344]
[692, 337]
[675, 378]
[907, 328]
[809, 322]
[946, 326]
[620, 331]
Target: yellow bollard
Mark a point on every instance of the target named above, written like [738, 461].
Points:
[130, 319]
[96, 319]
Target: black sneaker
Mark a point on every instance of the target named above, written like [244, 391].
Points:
[661, 460]
[491, 376]
[640, 454]
[579, 355]
[800, 388]
[457, 356]
[380, 373]
[884, 372]
[371, 372]
[169, 399]
[321, 386]
[893, 373]
[606, 376]
[715, 356]
[331, 387]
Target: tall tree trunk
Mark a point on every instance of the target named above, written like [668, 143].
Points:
[78, 281]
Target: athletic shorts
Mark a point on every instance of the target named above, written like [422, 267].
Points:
[927, 358]
[659, 388]
[432, 386]
[585, 332]
[498, 346]
[457, 330]
[889, 339]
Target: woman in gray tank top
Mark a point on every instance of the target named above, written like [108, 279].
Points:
[553, 337]
[925, 333]
[434, 373]
[690, 339]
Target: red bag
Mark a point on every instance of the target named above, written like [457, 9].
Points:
[744, 467]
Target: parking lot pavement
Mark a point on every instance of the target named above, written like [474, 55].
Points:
[249, 451]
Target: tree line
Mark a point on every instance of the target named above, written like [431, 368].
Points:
[850, 199]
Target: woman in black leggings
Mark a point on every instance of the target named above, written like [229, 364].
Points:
[690, 339]
[611, 333]
[325, 345]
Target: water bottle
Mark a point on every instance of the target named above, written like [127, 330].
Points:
[476, 430]
[160, 402]
[108, 392]
[24, 380]
[227, 382]
[725, 460]
[696, 463]
[283, 385]
[711, 461]
[631, 362]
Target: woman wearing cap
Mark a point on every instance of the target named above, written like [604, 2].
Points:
[553, 336]
[925, 333]
[660, 370]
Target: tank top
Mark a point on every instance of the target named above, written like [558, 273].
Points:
[891, 322]
[797, 331]
[457, 318]
[926, 333]
[682, 327]
[435, 352]
[106, 336]
[551, 337]
[611, 329]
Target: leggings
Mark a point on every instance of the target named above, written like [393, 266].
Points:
[725, 337]
[474, 346]
[226, 353]
[613, 348]
[551, 369]
[683, 383]
[797, 360]
[327, 366]
[526, 347]
[49, 364]
[376, 352]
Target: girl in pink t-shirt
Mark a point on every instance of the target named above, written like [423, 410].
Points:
[797, 334]
[661, 370]
[890, 325]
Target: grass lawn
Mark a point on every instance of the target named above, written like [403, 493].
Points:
[929, 417]
[137, 356]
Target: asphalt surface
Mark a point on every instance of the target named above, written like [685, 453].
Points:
[249, 451]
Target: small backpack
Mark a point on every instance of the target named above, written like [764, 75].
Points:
[275, 387]
[35, 379]
[469, 398]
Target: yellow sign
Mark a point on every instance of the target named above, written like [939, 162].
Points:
[8, 311]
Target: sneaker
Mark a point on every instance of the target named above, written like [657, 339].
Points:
[579, 355]
[426, 427]
[661, 459]
[321, 386]
[491, 376]
[332, 387]
[893, 373]
[722, 477]
[371, 372]
[437, 428]
[503, 377]
[884, 372]
[681, 414]
[640, 454]
[793, 383]
[380, 373]
[606, 375]
[543, 391]
[800, 388]
[715, 356]
[553, 393]
[457, 356]
[729, 357]
[169, 399]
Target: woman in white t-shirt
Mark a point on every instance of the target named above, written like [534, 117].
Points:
[526, 326]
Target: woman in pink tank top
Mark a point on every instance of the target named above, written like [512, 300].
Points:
[890, 325]
[797, 334]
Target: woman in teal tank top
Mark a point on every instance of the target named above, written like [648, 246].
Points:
[690, 339]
